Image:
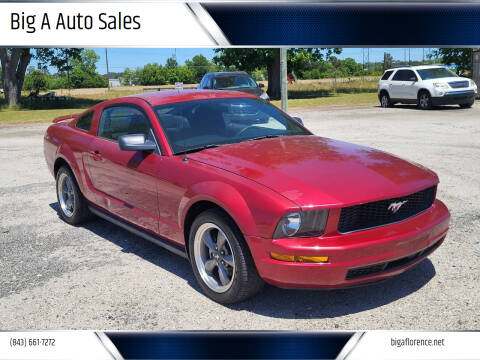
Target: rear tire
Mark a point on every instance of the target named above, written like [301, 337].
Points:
[424, 100]
[385, 101]
[73, 207]
[220, 258]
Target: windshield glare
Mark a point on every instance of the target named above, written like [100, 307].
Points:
[192, 125]
[233, 82]
[435, 73]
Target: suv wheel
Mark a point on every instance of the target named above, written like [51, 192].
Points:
[385, 100]
[221, 260]
[424, 100]
[73, 206]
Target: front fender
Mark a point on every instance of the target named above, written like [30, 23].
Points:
[225, 196]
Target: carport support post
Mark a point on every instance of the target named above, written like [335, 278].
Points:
[283, 79]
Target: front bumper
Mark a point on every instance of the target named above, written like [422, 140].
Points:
[454, 97]
[355, 258]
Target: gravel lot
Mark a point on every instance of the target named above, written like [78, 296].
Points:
[98, 276]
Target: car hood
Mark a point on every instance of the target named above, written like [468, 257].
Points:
[311, 170]
[446, 79]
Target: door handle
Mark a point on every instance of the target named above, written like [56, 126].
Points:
[96, 155]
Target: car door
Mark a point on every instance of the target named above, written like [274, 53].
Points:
[397, 85]
[411, 85]
[125, 181]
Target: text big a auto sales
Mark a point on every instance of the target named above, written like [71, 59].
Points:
[30, 23]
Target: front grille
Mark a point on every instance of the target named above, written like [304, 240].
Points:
[458, 84]
[391, 265]
[380, 213]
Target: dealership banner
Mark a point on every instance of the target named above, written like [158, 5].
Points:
[360, 345]
[198, 24]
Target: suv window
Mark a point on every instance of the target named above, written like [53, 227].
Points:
[409, 74]
[387, 75]
[123, 120]
[84, 122]
[404, 75]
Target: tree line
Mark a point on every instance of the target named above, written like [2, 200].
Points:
[76, 68]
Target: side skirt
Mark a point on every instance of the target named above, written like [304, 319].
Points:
[139, 232]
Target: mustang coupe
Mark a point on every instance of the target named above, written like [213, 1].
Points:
[244, 191]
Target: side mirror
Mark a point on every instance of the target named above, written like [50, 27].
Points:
[261, 85]
[135, 142]
[297, 119]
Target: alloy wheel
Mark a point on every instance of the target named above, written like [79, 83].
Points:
[384, 101]
[214, 258]
[66, 194]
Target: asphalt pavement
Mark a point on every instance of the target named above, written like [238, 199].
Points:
[98, 276]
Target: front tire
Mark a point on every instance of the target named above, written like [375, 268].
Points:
[424, 100]
[73, 206]
[385, 101]
[221, 260]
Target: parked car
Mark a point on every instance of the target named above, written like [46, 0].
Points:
[234, 80]
[426, 86]
[244, 192]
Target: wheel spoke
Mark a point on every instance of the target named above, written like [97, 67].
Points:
[228, 259]
[220, 240]
[210, 265]
[222, 272]
[207, 238]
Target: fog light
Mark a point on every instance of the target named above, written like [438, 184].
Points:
[302, 259]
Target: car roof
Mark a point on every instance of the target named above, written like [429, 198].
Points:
[228, 73]
[416, 67]
[166, 97]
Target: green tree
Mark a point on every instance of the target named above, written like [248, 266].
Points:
[14, 63]
[171, 63]
[460, 57]
[251, 59]
[200, 66]
[129, 76]
[37, 80]
[84, 71]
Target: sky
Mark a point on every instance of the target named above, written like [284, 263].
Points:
[121, 58]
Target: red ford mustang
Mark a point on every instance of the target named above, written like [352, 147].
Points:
[244, 191]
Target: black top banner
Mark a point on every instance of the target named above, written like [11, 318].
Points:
[348, 24]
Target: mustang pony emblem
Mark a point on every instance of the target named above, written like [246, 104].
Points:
[395, 206]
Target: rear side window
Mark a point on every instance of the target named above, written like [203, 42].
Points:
[123, 120]
[399, 75]
[84, 122]
[387, 75]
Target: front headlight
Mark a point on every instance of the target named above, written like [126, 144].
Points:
[441, 86]
[472, 83]
[265, 96]
[302, 224]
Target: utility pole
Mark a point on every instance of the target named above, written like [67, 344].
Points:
[423, 56]
[106, 60]
[283, 79]
[409, 56]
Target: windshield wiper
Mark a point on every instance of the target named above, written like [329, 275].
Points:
[200, 148]
[264, 137]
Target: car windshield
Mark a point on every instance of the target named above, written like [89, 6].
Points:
[195, 125]
[233, 82]
[435, 73]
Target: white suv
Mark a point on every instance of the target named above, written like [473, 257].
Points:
[425, 86]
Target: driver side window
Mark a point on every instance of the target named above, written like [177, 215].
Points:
[123, 120]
